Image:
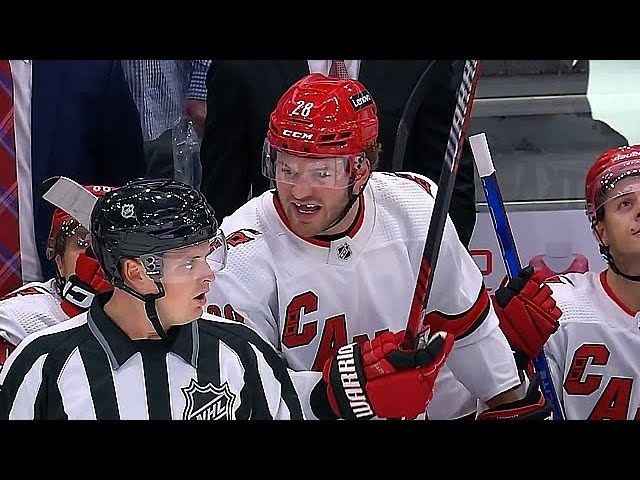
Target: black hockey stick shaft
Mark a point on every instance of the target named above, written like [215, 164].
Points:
[461, 116]
[425, 83]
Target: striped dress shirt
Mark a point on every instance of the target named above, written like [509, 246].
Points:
[160, 88]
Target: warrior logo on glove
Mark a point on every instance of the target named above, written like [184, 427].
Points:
[380, 379]
[353, 391]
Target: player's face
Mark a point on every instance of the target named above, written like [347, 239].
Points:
[74, 245]
[310, 207]
[620, 228]
[186, 278]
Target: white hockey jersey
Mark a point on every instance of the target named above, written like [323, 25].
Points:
[309, 297]
[594, 356]
[28, 309]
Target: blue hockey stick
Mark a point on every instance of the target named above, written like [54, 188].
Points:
[487, 172]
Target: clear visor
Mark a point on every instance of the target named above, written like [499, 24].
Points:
[618, 181]
[325, 172]
[620, 191]
[187, 263]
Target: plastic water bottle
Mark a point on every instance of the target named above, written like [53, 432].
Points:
[186, 153]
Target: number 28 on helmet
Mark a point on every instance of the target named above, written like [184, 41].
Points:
[319, 131]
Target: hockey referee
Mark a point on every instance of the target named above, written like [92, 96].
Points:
[146, 350]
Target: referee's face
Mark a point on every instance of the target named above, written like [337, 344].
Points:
[186, 279]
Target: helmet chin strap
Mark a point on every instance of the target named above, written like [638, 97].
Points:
[59, 281]
[149, 305]
[352, 199]
[606, 254]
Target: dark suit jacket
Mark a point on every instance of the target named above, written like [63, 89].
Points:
[84, 125]
[243, 93]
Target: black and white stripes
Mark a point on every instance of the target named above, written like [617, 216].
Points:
[210, 369]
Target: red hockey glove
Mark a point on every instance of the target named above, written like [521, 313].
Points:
[527, 312]
[533, 406]
[84, 284]
[380, 379]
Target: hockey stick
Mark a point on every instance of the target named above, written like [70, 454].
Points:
[487, 173]
[71, 197]
[418, 94]
[461, 116]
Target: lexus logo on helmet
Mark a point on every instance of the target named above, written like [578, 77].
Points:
[300, 135]
[361, 100]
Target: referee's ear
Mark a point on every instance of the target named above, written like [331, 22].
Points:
[134, 275]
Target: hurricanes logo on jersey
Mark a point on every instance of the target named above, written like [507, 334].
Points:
[208, 402]
[239, 236]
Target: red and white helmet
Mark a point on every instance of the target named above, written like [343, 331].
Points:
[603, 179]
[64, 225]
[322, 117]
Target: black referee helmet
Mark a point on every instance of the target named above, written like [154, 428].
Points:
[144, 219]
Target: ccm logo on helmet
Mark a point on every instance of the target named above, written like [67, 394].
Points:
[301, 135]
[361, 100]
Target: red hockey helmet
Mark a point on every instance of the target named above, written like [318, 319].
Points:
[603, 179]
[64, 225]
[322, 117]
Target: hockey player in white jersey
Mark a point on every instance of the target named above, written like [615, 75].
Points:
[594, 355]
[146, 350]
[330, 256]
[78, 277]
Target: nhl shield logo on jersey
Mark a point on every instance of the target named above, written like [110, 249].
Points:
[208, 402]
[344, 251]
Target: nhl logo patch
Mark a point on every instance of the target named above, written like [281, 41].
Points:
[127, 210]
[208, 402]
[344, 251]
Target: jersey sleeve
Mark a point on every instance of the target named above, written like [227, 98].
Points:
[481, 359]
[12, 311]
[555, 360]
[246, 289]
[28, 310]
[21, 379]
[555, 349]
[234, 299]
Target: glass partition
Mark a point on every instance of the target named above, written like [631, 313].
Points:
[547, 120]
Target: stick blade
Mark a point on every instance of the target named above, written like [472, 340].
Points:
[71, 197]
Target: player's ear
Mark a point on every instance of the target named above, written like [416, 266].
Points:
[60, 264]
[601, 228]
[362, 175]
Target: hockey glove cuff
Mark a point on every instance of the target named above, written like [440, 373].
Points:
[87, 281]
[533, 406]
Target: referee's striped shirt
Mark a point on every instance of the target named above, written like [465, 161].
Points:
[87, 368]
